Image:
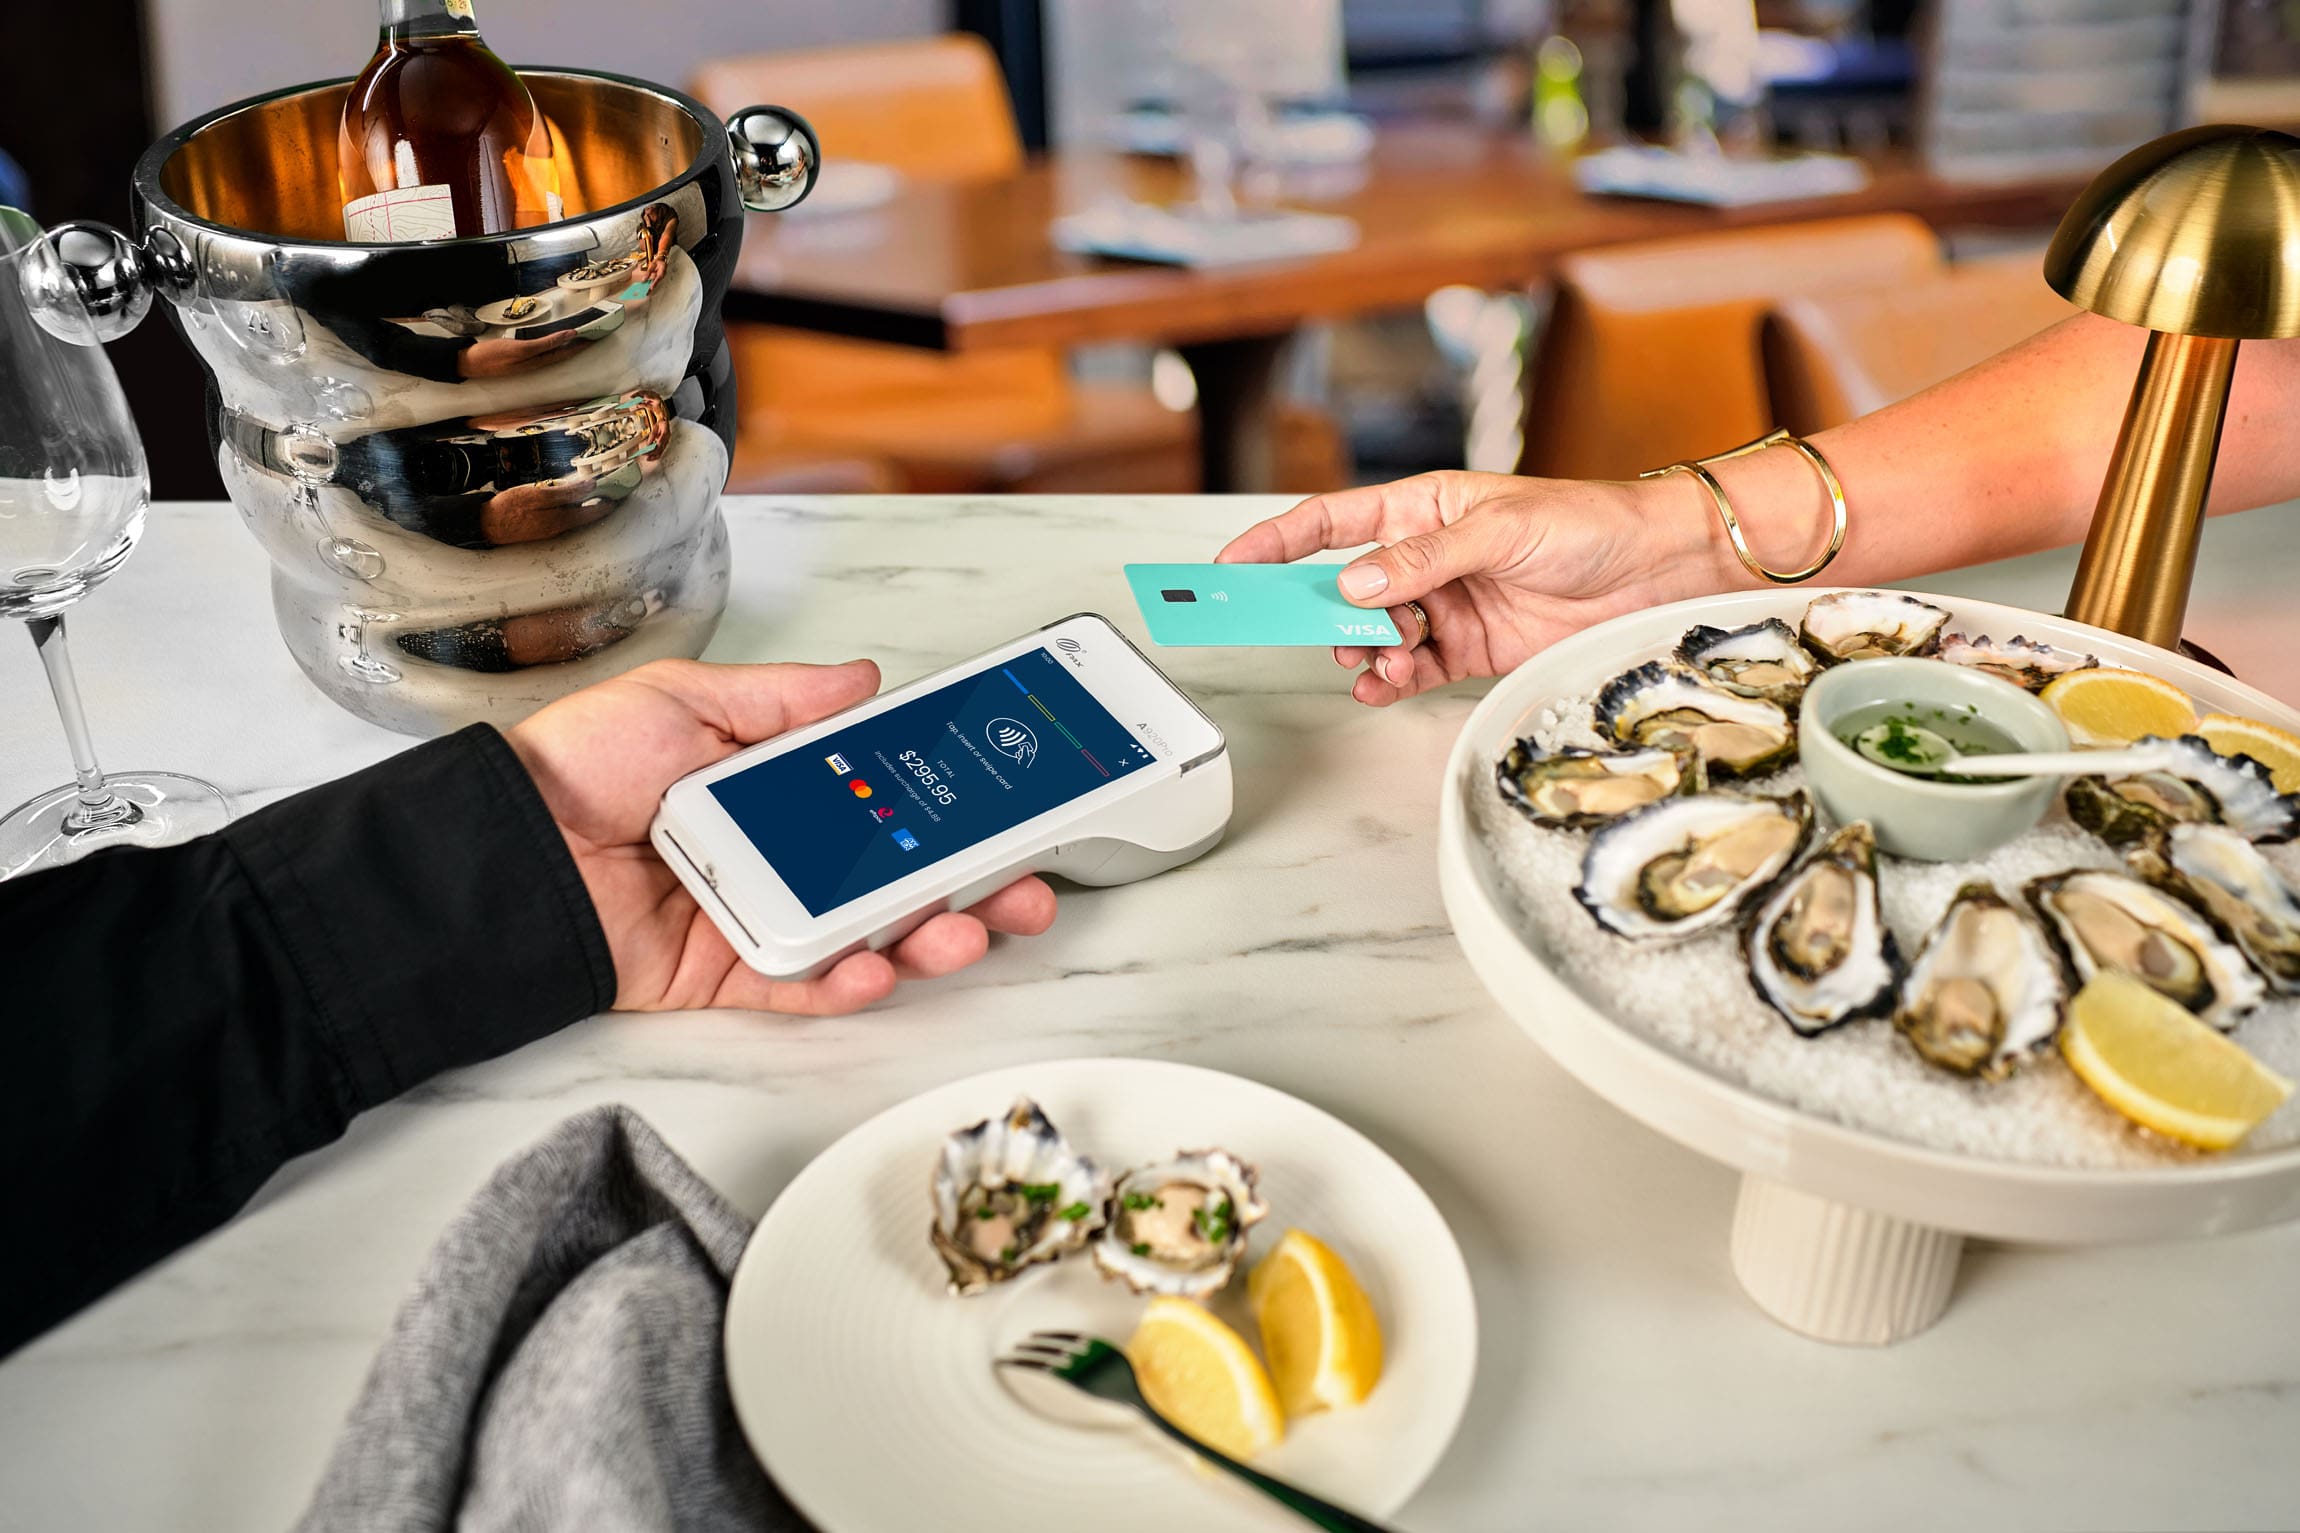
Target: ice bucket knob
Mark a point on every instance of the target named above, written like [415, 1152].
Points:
[776, 157]
[88, 282]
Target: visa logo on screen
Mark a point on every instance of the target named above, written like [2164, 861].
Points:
[837, 762]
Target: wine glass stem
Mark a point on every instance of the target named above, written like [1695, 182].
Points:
[1213, 173]
[97, 805]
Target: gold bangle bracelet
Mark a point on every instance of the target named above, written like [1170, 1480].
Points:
[1699, 469]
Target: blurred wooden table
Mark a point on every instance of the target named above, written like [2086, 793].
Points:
[971, 267]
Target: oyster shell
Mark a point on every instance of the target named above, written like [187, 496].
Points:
[2226, 877]
[2196, 785]
[1819, 951]
[2131, 809]
[1863, 625]
[2109, 921]
[1688, 864]
[1986, 990]
[1762, 660]
[1659, 704]
[1578, 788]
[1179, 1227]
[2020, 660]
[1010, 1192]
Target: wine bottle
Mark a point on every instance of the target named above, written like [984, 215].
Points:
[440, 139]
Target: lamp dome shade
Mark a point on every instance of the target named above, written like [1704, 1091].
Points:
[2197, 233]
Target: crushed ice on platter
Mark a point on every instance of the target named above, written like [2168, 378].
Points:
[1694, 998]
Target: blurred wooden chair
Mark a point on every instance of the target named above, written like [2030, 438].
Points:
[1830, 357]
[1651, 352]
[934, 109]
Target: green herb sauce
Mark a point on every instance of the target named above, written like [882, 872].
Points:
[1916, 738]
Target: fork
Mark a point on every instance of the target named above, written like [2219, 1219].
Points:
[1101, 1370]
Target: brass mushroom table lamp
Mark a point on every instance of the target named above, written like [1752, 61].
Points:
[2196, 238]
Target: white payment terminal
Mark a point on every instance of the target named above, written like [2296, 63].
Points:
[1065, 751]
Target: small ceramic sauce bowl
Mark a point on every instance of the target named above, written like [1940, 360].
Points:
[1929, 819]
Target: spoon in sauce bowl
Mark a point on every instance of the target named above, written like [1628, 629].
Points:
[1906, 746]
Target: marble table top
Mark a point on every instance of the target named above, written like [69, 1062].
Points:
[1624, 1382]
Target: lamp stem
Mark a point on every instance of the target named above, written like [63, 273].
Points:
[2140, 555]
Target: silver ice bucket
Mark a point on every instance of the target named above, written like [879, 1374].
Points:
[487, 471]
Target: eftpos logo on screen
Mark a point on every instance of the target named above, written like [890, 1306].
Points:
[1012, 738]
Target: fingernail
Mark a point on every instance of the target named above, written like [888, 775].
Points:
[1384, 665]
[1360, 581]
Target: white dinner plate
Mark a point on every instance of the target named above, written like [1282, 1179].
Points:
[868, 1391]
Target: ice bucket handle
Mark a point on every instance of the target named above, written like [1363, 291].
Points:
[777, 157]
[87, 282]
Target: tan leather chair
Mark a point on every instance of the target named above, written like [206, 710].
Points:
[1651, 351]
[1830, 357]
[935, 109]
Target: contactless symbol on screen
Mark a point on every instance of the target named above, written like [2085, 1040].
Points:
[906, 840]
[858, 787]
[837, 762]
[1012, 738]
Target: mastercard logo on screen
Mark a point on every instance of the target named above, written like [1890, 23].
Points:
[861, 788]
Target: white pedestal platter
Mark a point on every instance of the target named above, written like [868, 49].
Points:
[1840, 1233]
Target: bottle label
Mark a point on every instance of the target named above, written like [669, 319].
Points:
[405, 214]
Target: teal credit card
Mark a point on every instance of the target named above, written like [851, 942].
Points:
[1260, 604]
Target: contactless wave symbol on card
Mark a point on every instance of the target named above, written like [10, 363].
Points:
[1012, 738]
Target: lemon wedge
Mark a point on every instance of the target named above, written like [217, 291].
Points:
[1201, 1375]
[1318, 1328]
[2276, 749]
[2148, 1058]
[2104, 706]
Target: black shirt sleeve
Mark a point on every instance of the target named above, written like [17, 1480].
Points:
[180, 1021]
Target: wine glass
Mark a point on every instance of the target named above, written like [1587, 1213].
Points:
[1226, 129]
[72, 495]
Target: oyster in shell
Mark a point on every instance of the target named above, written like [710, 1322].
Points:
[1010, 1192]
[2226, 877]
[1659, 704]
[2108, 921]
[1179, 1227]
[1864, 625]
[1986, 990]
[2020, 660]
[1577, 788]
[2196, 786]
[1819, 950]
[1686, 865]
[1762, 660]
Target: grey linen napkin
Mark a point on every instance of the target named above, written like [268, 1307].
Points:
[558, 1364]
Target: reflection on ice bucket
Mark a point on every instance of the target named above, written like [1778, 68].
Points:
[486, 471]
